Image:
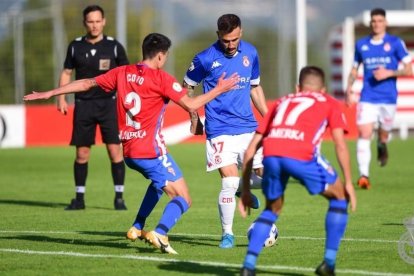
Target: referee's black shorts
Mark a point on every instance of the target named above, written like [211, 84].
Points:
[90, 113]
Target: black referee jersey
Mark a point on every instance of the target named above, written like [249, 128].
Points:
[91, 60]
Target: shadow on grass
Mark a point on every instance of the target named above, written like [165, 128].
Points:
[393, 224]
[114, 243]
[212, 269]
[45, 204]
[33, 203]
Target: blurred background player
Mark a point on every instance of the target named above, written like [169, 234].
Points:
[291, 134]
[380, 54]
[230, 122]
[90, 56]
[143, 91]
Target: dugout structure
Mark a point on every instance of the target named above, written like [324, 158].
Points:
[342, 40]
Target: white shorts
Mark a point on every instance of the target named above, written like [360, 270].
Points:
[225, 150]
[376, 113]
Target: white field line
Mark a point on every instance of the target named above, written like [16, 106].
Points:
[156, 259]
[198, 235]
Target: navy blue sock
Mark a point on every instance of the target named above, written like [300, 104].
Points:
[335, 225]
[151, 198]
[172, 213]
[258, 235]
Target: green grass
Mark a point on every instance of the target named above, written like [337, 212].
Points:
[37, 237]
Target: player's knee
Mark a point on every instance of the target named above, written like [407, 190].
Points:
[335, 191]
[230, 183]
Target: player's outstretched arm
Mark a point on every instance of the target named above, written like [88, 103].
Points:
[72, 87]
[342, 154]
[223, 85]
[196, 126]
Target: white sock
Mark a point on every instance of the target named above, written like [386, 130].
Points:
[227, 203]
[363, 156]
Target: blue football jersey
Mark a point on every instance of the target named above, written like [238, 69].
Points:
[230, 113]
[386, 53]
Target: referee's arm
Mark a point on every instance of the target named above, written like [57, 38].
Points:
[65, 78]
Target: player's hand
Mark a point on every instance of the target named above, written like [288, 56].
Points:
[37, 96]
[196, 126]
[382, 73]
[350, 98]
[244, 203]
[229, 83]
[351, 196]
[62, 105]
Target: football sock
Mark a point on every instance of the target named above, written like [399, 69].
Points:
[255, 182]
[80, 174]
[227, 202]
[363, 156]
[260, 232]
[335, 224]
[118, 176]
[80, 192]
[151, 198]
[172, 213]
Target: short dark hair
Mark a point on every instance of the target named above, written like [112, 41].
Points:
[378, 11]
[153, 44]
[311, 71]
[92, 8]
[227, 23]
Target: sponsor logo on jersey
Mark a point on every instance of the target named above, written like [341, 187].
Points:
[387, 47]
[364, 47]
[246, 61]
[177, 87]
[215, 64]
[128, 135]
[287, 133]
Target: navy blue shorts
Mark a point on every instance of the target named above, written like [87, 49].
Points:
[315, 175]
[158, 170]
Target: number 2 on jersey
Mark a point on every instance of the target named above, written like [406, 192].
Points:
[133, 98]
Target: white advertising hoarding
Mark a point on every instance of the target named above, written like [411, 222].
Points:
[12, 126]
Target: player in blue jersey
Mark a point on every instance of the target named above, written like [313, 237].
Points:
[380, 53]
[229, 123]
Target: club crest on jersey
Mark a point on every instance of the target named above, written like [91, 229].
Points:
[217, 159]
[104, 64]
[246, 61]
[177, 87]
[387, 47]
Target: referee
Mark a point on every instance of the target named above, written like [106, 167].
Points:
[92, 55]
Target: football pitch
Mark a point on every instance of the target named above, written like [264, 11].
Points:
[37, 237]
